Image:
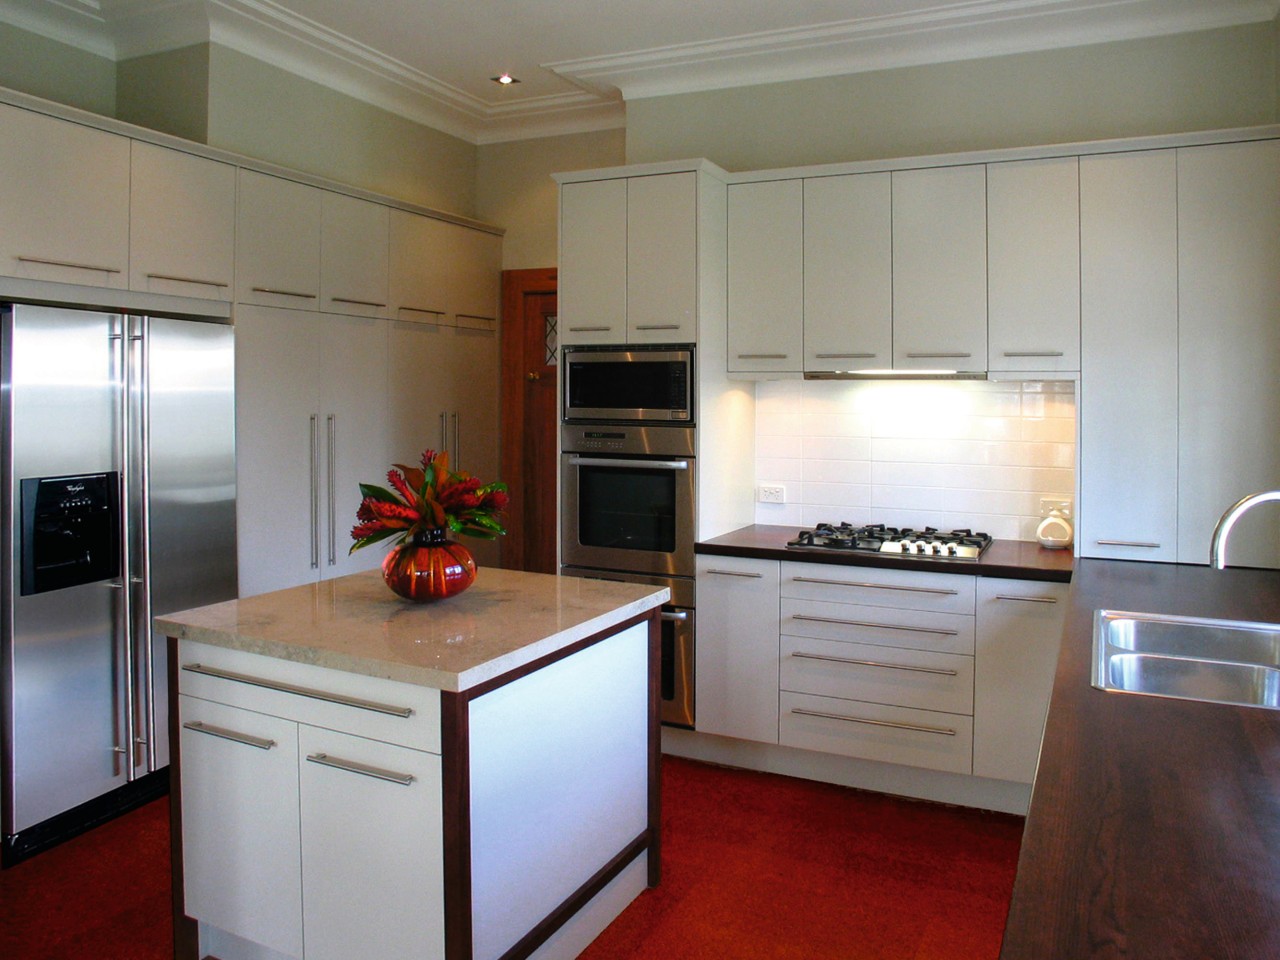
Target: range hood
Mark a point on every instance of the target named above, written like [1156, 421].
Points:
[895, 375]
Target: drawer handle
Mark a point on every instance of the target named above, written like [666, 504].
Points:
[937, 591]
[916, 727]
[846, 356]
[763, 356]
[66, 263]
[735, 573]
[358, 303]
[867, 623]
[938, 356]
[177, 279]
[426, 310]
[1032, 353]
[590, 329]
[352, 766]
[390, 710]
[657, 326]
[1001, 596]
[223, 733]
[285, 293]
[877, 663]
[1127, 543]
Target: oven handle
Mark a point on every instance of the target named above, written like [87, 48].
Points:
[643, 464]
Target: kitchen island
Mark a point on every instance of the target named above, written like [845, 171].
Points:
[1154, 822]
[357, 775]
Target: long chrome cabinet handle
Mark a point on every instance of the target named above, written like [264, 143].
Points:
[640, 464]
[1127, 543]
[940, 591]
[590, 329]
[939, 356]
[735, 573]
[358, 303]
[142, 609]
[936, 631]
[67, 263]
[1001, 596]
[763, 356]
[315, 492]
[916, 727]
[178, 279]
[352, 766]
[657, 326]
[846, 356]
[438, 314]
[1032, 353]
[286, 293]
[389, 709]
[331, 423]
[455, 457]
[876, 663]
[444, 430]
[222, 732]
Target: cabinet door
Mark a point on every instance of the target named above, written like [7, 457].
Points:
[662, 259]
[474, 265]
[848, 273]
[1019, 630]
[1228, 346]
[353, 255]
[737, 650]
[353, 413]
[417, 290]
[372, 848]
[64, 201]
[593, 262]
[940, 268]
[182, 223]
[1128, 505]
[1033, 264]
[278, 448]
[241, 839]
[766, 276]
[277, 242]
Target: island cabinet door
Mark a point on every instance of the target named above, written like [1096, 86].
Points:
[240, 831]
[372, 875]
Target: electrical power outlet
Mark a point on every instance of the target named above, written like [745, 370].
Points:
[773, 494]
[1049, 504]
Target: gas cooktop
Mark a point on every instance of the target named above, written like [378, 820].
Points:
[877, 538]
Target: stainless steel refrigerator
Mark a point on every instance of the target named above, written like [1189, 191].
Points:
[117, 463]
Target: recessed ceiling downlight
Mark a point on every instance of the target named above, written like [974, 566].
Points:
[505, 79]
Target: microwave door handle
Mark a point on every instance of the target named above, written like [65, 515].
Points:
[642, 464]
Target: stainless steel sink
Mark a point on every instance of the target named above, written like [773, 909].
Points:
[1189, 658]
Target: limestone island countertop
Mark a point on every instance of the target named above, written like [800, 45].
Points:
[507, 619]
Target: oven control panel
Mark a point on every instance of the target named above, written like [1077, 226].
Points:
[592, 440]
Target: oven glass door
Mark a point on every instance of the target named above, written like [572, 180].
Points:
[629, 514]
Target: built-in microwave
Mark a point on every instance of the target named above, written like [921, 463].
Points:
[631, 383]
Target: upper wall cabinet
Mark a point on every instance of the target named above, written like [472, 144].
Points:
[443, 273]
[766, 276]
[278, 225]
[940, 268]
[182, 224]
[64, 201]
[473, 263]
[629, 260]
[353, 255]
[848, 272]
[1033, 265]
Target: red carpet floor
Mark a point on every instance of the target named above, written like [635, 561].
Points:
[754, 866]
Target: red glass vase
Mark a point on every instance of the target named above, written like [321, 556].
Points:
[431, 567]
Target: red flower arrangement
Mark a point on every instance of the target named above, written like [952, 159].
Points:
[428, 498]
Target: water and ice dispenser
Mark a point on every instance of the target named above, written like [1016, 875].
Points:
[70, 531]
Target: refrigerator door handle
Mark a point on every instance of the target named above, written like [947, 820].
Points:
[315, 492]
[140, 564]
[125, 418]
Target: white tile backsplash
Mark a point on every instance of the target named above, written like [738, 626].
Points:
[946, 453]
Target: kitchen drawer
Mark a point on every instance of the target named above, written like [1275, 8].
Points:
[856, 671]
[365, 706]
[872, 731]
[938, 592]
[883, 626]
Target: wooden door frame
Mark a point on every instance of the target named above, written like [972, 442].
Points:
[516, 284]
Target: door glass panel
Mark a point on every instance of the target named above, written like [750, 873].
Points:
[627, 508]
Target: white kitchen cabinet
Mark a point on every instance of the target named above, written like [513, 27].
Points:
[182, 223]
[766, 277]
[1228, 346]
[353, 255]
[310, 426]
[1033, 265]
[1019, 629]
[1129, 384]
[662, 258]
[278, 228]
[592, 299]
[240, 819]
[474, 264]
[940, 268]
[64, 201]
[848, 272]
[737, 649]
[417, 287]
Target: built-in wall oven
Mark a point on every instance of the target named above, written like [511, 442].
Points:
[628, 484]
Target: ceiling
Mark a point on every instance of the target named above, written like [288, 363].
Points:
[578, 61]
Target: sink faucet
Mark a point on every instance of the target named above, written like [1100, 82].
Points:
[1218, 546]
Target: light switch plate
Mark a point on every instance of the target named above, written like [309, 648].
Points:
[1049, 504]
[772, 493]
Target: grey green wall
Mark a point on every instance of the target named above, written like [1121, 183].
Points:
[55, 71]
[1206, 80]
[167, 91]
[514, 188]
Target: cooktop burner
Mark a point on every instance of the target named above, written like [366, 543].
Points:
[878, 538]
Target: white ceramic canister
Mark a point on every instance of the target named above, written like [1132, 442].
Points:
[1055, 531]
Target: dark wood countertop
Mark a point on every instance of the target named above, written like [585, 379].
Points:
[1012, 559]
[1154, 828]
